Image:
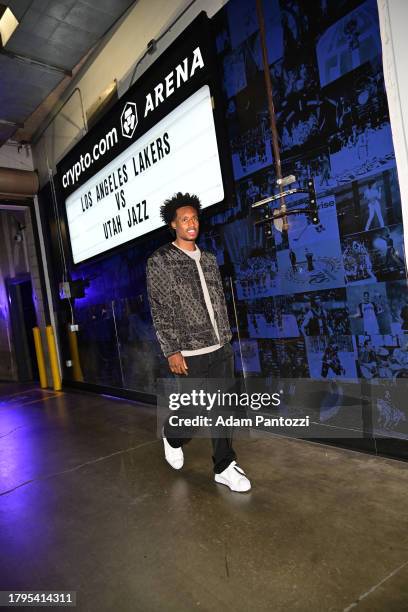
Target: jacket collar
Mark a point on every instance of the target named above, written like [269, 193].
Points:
[175, 249]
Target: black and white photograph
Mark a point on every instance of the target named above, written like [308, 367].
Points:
[303, 232]
[314, 165]
[368, 309]
[272, 317]
[374, 256]
[255, 187]
[252, 150]
[299, 112]
[383, 356]
[348, 43]
[295, 25]
[309, 268]
[369, 204]
[308, 314]
[257, 277]
[331, 356]
[234, 67]
[284, 358]
[247, 357]
[322, 313]
[358, 261]
[397, 296]
[364, 151]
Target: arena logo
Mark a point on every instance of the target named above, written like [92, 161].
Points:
[175, 79]
[182, 73]
[128, 119]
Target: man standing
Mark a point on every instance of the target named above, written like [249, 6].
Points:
[293, 260]
[309, 259]
[368, 311]
[316, 321]
[392, 259]
[372, 195]
[368, 361]
[191, 321]
[331, 360]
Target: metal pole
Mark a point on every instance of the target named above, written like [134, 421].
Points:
[40, 358]
[237, 322]
[52, 350]
[271, 108]
[73, 349]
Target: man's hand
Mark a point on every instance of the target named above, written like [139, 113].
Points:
[177, 364]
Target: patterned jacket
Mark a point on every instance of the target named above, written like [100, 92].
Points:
[179, 312]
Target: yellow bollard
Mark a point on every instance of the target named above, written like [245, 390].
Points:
[40, 358]
[52, 349]
[76, 364]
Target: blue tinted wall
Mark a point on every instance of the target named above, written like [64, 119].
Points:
[327, 300]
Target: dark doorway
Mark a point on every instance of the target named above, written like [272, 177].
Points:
[23, 319]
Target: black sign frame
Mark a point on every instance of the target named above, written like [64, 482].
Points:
[198, 34]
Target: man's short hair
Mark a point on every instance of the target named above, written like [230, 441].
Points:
[169, 207]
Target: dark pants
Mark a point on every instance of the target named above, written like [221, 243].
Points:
[218, 364]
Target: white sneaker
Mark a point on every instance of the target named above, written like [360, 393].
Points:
[234, 477]
[174, 456]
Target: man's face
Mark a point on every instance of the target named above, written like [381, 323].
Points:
[186, 223]
[366, 297]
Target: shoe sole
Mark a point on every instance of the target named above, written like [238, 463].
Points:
[226, 484]
[173, 466]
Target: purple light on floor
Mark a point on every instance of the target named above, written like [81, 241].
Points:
[114, 397]
[25, 449]
[16, 455]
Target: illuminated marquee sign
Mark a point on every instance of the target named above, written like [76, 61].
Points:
[158, 140]
[121, 202]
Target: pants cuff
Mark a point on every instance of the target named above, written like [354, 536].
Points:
[224, 463]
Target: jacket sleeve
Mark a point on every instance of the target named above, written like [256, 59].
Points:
[162, 310]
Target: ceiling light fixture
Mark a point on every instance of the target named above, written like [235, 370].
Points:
[8, 24]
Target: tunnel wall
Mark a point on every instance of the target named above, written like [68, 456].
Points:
[327, 301]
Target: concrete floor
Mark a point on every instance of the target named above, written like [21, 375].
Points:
[87, 503]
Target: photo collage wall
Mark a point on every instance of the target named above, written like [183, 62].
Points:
[327, 300]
